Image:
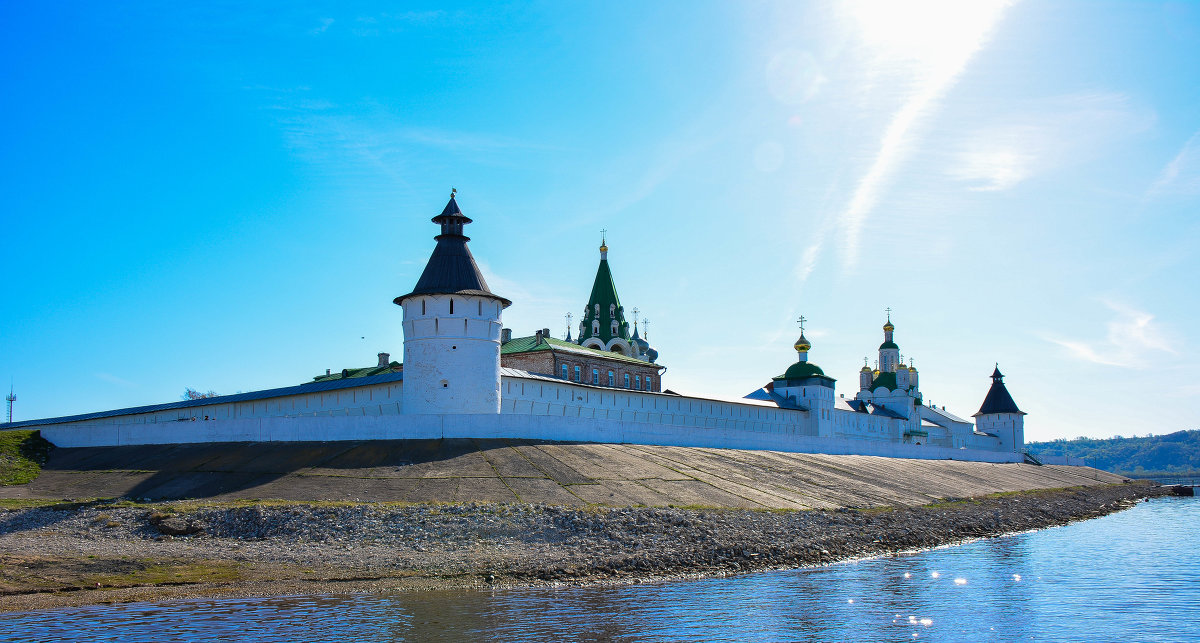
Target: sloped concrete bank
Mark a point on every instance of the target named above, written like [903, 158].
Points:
[104, 552]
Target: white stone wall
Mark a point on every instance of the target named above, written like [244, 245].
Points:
[451, 354]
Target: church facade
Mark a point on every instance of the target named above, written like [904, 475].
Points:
[463, 375]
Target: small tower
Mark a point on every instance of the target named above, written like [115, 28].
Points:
[889, 352]
[865, 376]
[807, 385]
[1000, 416]
[451, 329]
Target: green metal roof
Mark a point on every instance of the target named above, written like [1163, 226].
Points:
[801, 370]
[887, 345]
[886, 380]
[351, 373]
[604, 297]
[529, 345]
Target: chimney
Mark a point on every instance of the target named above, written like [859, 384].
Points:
[327, 371]
[546, 333]
[385, 359]
[505, 335]
[537, 338]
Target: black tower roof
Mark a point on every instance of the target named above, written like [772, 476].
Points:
[998, 400]
[451, 269]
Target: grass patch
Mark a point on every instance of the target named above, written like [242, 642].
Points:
[22, 454]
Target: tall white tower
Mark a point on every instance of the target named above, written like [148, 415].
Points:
[451, 329]
[1000, 416]
[807, 385]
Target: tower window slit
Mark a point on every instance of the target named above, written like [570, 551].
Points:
[451, 305]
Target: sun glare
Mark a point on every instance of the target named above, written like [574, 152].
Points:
[925, 31]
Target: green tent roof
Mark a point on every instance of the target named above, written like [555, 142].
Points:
[604, 298]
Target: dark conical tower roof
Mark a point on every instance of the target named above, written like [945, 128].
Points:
[998, 399]
[451, 269]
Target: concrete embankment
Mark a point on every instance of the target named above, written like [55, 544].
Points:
[520, 471]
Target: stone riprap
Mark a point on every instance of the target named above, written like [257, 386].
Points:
[530, 472]
[95, 552]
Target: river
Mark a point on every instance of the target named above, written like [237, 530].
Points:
[1129, 576]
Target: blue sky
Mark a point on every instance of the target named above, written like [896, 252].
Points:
[228, 197]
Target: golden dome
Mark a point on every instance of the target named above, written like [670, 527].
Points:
[889, 326]
[865, 369]
[802, 344]
[912, 369]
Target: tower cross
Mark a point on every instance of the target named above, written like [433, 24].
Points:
[889, 313]
[568, 318]
[635, 318]
[646, 329]
[801, 322]
[604, 236]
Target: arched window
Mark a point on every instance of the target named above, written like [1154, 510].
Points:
[596, 326]
[614, 327]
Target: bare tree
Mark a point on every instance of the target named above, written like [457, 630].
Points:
[192, 394]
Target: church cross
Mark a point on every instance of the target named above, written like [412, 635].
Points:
[646, 329]
[453, 191]
[889, 313]
[604, 236]
[801, 322]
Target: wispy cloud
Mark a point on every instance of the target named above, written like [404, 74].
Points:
[113, 379]
[1044, 135]
[941, 38]
[1131, 341]
[1182, 174]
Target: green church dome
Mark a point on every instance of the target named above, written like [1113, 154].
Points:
[887, 345]
[801, 370]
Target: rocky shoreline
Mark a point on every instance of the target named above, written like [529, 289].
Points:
[113, 552]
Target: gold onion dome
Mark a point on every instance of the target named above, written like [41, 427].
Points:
[802, 344]
[865, 369]
[889, 326]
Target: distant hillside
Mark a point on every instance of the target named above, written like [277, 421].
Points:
[1175, 454]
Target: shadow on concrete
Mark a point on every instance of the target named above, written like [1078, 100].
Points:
[197, 471]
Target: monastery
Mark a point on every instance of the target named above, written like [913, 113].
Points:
[464, 375]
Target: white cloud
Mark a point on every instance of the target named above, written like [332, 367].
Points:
[1182, 174]
[1044, 135]
[1132, 340]
[938, 39]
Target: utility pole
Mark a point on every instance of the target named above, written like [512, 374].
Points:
[11, 398]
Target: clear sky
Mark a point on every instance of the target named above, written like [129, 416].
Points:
[228, 196]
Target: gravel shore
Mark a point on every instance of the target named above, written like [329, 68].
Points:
[105, 552]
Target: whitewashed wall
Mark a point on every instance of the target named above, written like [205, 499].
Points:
[533, 408]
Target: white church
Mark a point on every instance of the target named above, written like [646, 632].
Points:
[464, 376]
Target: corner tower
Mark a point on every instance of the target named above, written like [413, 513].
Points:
[451, 329]
[1000, 416]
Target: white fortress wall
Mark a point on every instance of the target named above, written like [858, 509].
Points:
[555, 411]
